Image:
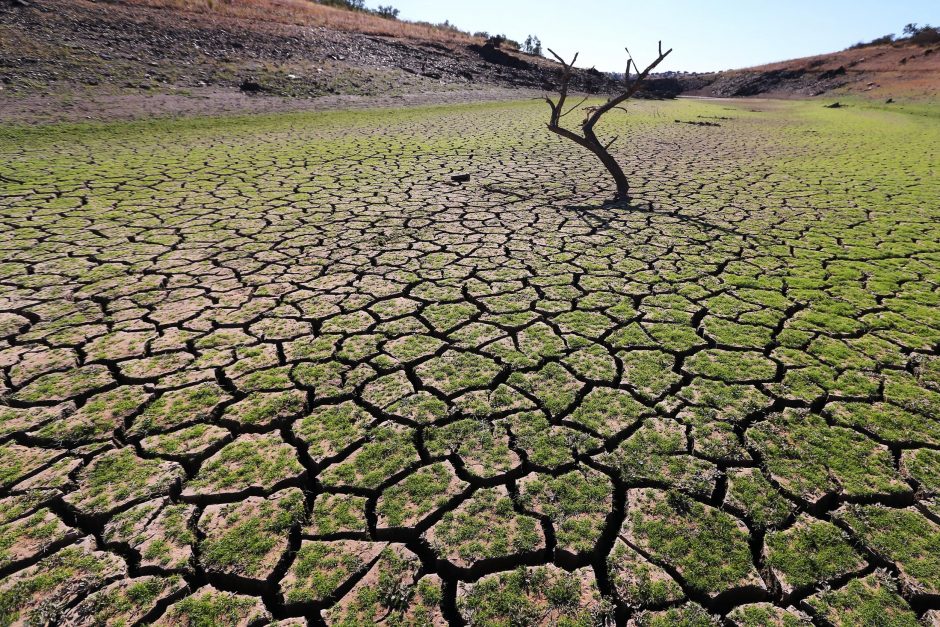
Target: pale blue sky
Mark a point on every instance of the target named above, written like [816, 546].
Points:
[705, 35]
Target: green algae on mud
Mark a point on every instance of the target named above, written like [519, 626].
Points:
[500, 400]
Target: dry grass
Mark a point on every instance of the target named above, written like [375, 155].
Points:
[876, 71]
[308, 13]
[885, 58]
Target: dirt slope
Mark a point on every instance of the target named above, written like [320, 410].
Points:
[137, 49]
[887, 71]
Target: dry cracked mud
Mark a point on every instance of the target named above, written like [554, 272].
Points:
[281, 370]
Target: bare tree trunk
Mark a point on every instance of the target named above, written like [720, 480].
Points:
[588, 139]
[620, 179]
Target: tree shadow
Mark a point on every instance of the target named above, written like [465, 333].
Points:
[607, 214]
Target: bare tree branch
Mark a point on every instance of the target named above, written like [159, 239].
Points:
[583, 100]
[588, 139]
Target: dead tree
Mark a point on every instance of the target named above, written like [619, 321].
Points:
[588, 139]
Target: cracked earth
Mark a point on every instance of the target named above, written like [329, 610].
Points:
[279, 369]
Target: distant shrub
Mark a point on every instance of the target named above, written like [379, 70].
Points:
[926, 36]
[532, 45]
[918, 35]
[388, 12]
[922, 35]
[880, 41]
[352, 5]
[501, 41]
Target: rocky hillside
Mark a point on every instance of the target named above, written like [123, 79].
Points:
[145, 47]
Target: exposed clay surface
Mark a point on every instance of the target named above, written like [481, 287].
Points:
[281, 368]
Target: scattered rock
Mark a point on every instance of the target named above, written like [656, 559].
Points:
[840, 71]
[250, 87]
[697, 123]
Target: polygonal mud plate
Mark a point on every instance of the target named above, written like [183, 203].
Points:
[24, 504]
[592, 363]
[657, 452]
[590, 324]
[485, 528]
[904, 537]
[650, 374]
[21, 419]
[118, 477]
[412, 347]
[61, 386]
[148, 368]
[18, 462]
[328, 380]
[706, 546]
[751, 494]
[455, 372]
[548, 446]
[387, 389]
[41, 593]
[177, 408]
[251, 462]
[730, 401]
[159, 531]
[186, 443]
[124, 602]
[810, 553]
[118, 345]
[735, 334]
[330, 430]
[689, 614]
[337, 513]
[57, 475]
[208, 606]
[262, 409]
[388, 450]
[732, 366]
[637, 582]
[483, 448]
[767, 615]
[320, 569]
[41, 361]
[553, 387]
[608, 411]
[544, 596]
[33, 535]
[98, 418]
[887, 422]
[391, 594]
[809, 458]
[418, 495]
[421, 407]
[577, 503]
[269, 329]
[712, 437]
[872, 600]
[246, 539]
[923, 466]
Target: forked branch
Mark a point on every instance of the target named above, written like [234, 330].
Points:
[588, 138]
